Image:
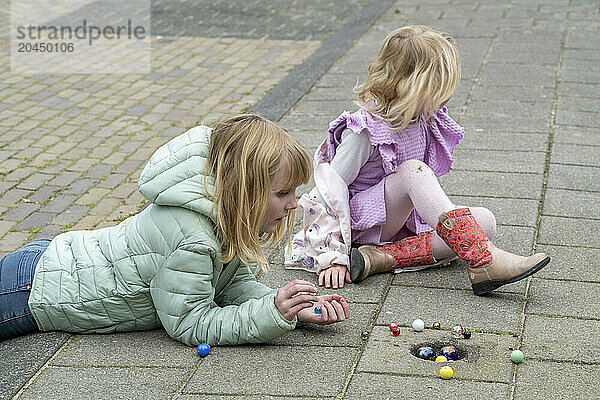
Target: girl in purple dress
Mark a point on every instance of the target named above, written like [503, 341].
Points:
[377, 200]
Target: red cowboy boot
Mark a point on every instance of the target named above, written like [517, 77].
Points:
[409, 252]
[488, 266]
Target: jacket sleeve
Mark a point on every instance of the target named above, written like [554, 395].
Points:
[242, 287]
[182, 292]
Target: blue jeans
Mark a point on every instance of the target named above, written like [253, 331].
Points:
[16, 277]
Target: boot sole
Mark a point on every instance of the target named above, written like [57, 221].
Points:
[482, 288]
[357, 265]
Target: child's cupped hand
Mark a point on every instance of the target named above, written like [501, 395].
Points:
[334, 308]
[295, 296]
[334, 276]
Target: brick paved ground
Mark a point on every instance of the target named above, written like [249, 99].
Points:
[72, 148]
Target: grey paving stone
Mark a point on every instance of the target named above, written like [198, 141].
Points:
[573, 177]
[35, 220]
[331, 109]
[132, 349]
[571, 263]
[582, 71]
[386, 386]
[486, 358]
[497, 184]
[545, 380]
[23, 356]
[582, 54]
[578, 104]
[495, 312]
[71, 215]
[506, 211]
[241, 396]
[576, 135]
[577, 89]
[552, 339]
[578, 118]
[35, 181]
[570, 203]
[504, 108]
[90, 382]
[564, 298]
[345, 333]
[20, 212]
[277, 362]
[515, 123]
[515, 74]
[498, 161]
[524, 93]
[570, 231]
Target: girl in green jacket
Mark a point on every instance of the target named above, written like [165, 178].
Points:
[216, 196]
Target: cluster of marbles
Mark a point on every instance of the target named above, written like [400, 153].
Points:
[203, 349]
[447, 353]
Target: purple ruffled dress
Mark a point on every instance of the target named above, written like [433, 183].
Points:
[432, 142]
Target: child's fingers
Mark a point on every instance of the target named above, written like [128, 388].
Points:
[345, 307]
[322, 277]
[328, 278]
[331, 313]
[301, 306]
[340, 277]
[348, 279]
[339, 311]
[299, 299]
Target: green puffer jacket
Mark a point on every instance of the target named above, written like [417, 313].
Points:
[160, 267]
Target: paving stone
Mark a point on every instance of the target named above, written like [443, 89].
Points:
[498, 161]
[71, 215]
[576, 135]
[82, 383]
[570, 231]
[571, 263]
[13, 241]
[486, 358]
[386, 386]
[516, 74]
[578, 90]
[506, 211]
[523, 93]
[575, 154]
[20, 212]
[279, 361]
[544, 380]
[132, 349]
[578, 118]
[451, 307]
[573, 177]
[13, 196]
[517, 123]
[35, 220]
[497, 184]
[23, 356]
[551, 339]
[564, 298]
[81, 186]
[580, 204]
[509, 141]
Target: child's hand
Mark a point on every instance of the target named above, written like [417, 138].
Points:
[333, 309]
[293, 297]
[334, 276]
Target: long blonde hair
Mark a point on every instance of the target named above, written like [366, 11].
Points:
[416, 71]
[245, 151]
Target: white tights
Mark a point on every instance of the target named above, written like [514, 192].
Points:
[414, 185]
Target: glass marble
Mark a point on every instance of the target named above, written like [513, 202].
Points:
[467, 334]
[426, 353]
[450, 353]
[318, 310]
[203, 349]
[436, 325]
[517, 356]
[364, 335]
[396, 331]
[446, 372]
[457, 331]
[393, 326]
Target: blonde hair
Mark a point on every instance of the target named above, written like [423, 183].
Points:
[416, 71]
[245, 151]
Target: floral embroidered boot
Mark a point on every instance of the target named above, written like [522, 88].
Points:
[414, 252]
[488, 266]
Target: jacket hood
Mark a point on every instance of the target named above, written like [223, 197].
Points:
[174, 176]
